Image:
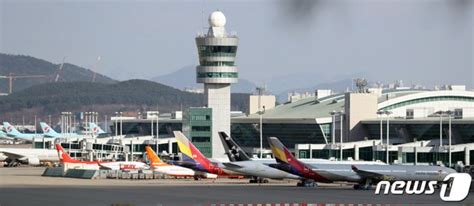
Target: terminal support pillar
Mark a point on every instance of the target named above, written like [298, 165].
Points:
[416, 155]
[400, 155]
[356, 152]
[131, 150]
[467, 156]
[310, 152]
[170, 147]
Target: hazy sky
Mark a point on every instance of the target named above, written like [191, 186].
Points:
[419, 41]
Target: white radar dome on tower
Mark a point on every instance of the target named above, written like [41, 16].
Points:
[217, 19]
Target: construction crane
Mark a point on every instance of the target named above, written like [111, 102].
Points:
[95, 69]
[56, 78]
[12, 77]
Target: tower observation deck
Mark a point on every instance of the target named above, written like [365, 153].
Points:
[217, 70]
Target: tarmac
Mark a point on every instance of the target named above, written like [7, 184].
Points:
[26, 186]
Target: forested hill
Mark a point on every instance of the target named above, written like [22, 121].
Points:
[131, 95]
[21, 65]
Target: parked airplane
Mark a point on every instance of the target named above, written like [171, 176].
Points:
[194, 159]
[50, 132]
[95, 129]
[33, 157]
[13, 132]
[363, 174]
[241, 162]
[71, 163]
[258, 169]
[173, 170]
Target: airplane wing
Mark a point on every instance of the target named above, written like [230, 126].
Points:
[369, 174]
[12, 155]
[104, 167]
[29, 158]
[182, 163]
[231, 165]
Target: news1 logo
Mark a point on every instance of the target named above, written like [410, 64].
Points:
[454, 187]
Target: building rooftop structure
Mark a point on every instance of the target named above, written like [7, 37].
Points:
[312, 109]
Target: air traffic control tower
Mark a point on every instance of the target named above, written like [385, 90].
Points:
[217, 52]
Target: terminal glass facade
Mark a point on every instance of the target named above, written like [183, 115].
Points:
[143, 128]
[248, 135]
[197, 126]
[422, 131]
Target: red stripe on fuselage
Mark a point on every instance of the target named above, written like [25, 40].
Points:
[303, 169]
[208, 165]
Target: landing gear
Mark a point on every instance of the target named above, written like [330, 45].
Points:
[365, 186]
[13, 163]
[307, 183]
[362, 187]
[258, 180]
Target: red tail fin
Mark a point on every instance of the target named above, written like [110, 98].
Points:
[63, 155]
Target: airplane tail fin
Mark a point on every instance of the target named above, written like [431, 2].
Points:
[47, 130]
[190, 152]
[233, 150]
[63, 155]
[284, 157]
[95, 129]
[152, 156]
[280, 152]
[10, 129]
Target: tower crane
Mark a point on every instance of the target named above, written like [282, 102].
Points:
[95, 69]
[58, 72]
[12, 77]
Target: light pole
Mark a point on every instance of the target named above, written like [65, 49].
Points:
[380, 113]
[440, 127]
[158, 129]
[106, 124]
[86, 123]
[151, 122]
[69, 123]
[260, 113]
[74, 128]
[341, 119]
[450, 113]
[261, 131]
[121, 124]
[35, 124]
[441, 113]
[333, 133]
[61, 123]
[386, 112]
[388, 135]
[116, 124]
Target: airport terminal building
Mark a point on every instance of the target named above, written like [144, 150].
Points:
[417, 123]
[312, 126]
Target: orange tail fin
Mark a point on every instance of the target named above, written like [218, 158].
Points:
[152, 156]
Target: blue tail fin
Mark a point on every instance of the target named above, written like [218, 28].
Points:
[95, 129]
[11, 130]
[47, 130]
